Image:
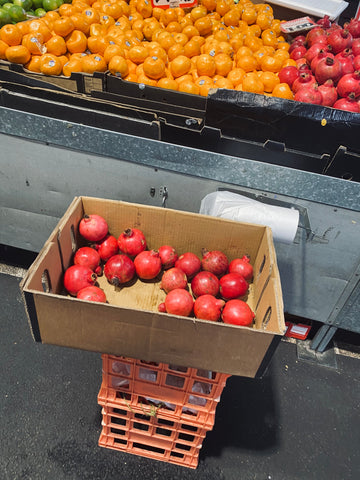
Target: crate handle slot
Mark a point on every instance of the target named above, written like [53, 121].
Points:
[261, 268]
[73, 241]
[266, 318]
[45, 281]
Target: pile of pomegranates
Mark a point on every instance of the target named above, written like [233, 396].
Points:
[210, 288]
[328, 66]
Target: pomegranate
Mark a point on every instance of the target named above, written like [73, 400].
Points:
[346, 59]
[322, 54]
[233, 285]
[305, 78]
[315, 35]
[328, 92]
[168, 256]
[132, 241]
[148, 264]
[242, 266]
[348, 84]
[353, 27]
[324, 22]
[356, 62]
[77, 277]
[355, 46]
[309, 94]
[119, 269]
[92, 294]
[179, 302]
[313, 51]
[205, 283]
[215, 262]
[340, 39]
[301, 39]
[173, 278]
[237, 312]
[326, 68]
[162, 307]
[93, 227]
[189, 263]
[288, 75]
[89, 257]
[107, 247]
[208, 307]
[349, 104]
[298, 52]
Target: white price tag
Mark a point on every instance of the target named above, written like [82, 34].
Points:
[174, 3]
[297, 25]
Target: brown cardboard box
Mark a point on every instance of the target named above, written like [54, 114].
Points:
[130, 324]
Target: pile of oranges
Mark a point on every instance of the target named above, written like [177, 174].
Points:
[217, 44]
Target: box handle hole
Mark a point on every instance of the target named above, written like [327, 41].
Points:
[262, 264]
[73, 241]
[266, 318]
[45, 281]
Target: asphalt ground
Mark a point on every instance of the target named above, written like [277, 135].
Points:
[299, 422]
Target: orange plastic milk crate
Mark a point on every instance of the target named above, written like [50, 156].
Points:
[157, 410]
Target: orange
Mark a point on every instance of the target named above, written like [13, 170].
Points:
[264, 20]
[236, 76]
[113, 50]
[92, 15]
[97, 44]
[205, 65]
[93, 63]
[198, 12]
[138, 53]
[40, 27]
[249, 15]
[17, 54]
[156, 12]
[269, 37]
[174, 27]
[243, 50]
[165, 40]
[224, 83]
[50, 16]
[180, 66]
[271, 63]
[63, 26]
[73, 65]
[223, 63]
[154, 67]
[118, 66]
[144, 79]
[156, 51]
[290, 62]
[34, 64]
[232, 17]
[66, 10]
[50, 64]
[97, 29]
[210, 5]
[252, 83]
[236, 41]
[167, 16]
[3, 47]
[282, 90]
[188, 86]
[81, 22]
[175, 50]
[10, 34]
[144, 7]
[34, 42]
[181, 38]
[76, 42]
[113, 10]
[56, 45]
[269, 80]
[253, 30]
[254, 43]
[192, 48]
[203, 25]
[222, 7]
[190, 31]
[247, 63]
[168, 83]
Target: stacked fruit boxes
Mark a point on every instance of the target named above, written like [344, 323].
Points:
[157, 410]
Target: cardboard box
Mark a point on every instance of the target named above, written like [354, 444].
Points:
[130, 324]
